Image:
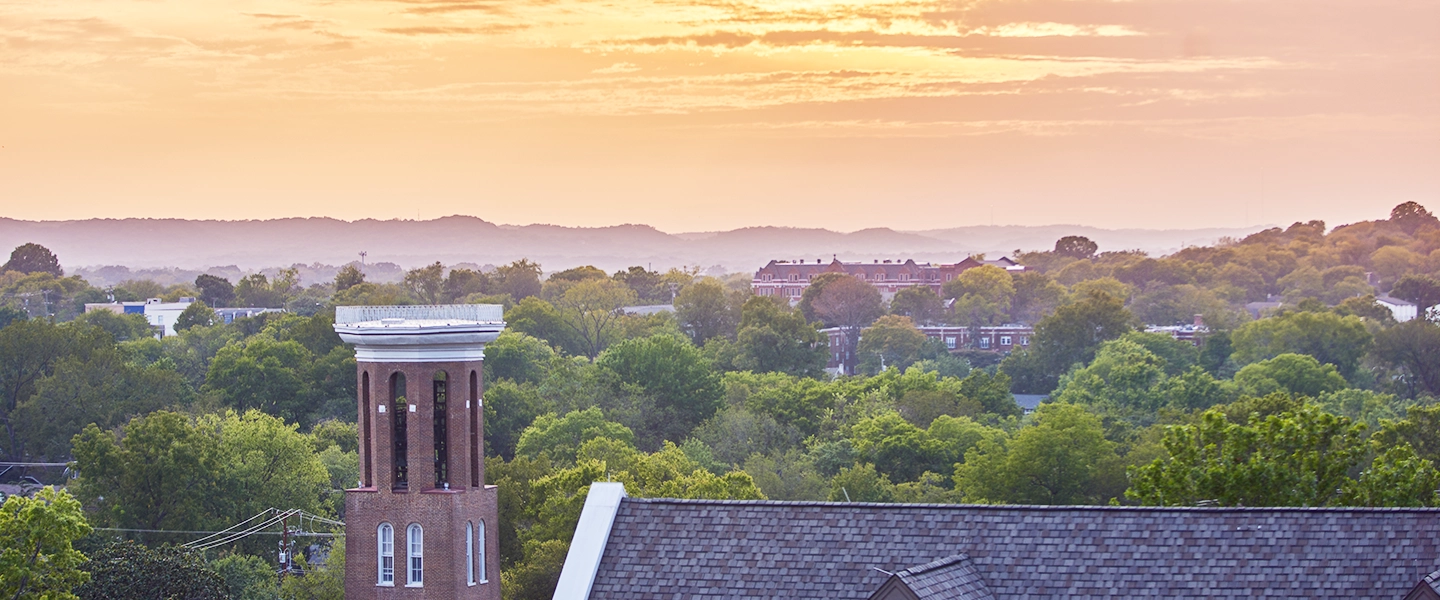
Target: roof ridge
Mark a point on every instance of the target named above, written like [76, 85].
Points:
[934, 564]
[1037, 507]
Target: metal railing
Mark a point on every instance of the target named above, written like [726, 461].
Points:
[482, 313]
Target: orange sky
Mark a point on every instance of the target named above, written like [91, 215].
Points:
[698, 115]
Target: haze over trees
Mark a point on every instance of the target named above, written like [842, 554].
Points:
[1323, 400]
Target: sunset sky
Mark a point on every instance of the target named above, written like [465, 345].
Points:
[696, 115]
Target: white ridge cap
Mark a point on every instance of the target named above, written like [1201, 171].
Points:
[582, 563]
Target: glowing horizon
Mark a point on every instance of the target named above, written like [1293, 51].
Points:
[705, 115]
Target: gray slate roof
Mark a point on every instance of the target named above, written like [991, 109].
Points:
[698, 549]
[950, 578]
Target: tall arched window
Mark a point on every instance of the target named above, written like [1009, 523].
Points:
[385, 547]
[480, 555]
[440, 418]
[415, 539]
[469, 553]
[368, 470]
[399, 437]
[475, 409]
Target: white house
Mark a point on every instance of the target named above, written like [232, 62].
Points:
[1402, 309]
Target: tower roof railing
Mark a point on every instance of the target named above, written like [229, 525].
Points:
[479, 313]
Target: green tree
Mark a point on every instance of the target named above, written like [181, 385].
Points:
[851, 305]
[775, 337]
[33, 258]
[1063, 458]
[321, 582]
[1297, 374]
[426, 283]
[590, 311]
[1295, 458]
[1071, 335]
[1395, 478]
[704, 311]
[198, 314]
[461, 284]
[37, 559]
[121, 327]
[983, 296]
[676, 374]
[1330, 338]
[1036, 295]
[509, 409]
[1411, 216]
[1076, 246]
[349, 276]
[125, 570]
[247, 577]
[520, 279]
[264, 374]
[892, 342]
[861, 483]
[920, 303]
[535, 317]
[789, 475]
[216, 291]
[1423, 290]
[29, 351]
[560, 438]
[1412, 349]
[517, 357]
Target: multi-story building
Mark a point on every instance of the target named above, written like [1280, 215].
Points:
[1003, 338]
[162, 315]
[789, 278]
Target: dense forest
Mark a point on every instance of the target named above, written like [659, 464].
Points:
[1323, 400]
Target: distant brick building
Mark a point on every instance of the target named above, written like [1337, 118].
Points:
[421, 524]
[1003, 338]
[789, 279]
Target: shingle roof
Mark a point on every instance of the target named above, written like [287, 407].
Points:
[950, 578]
[700, 549]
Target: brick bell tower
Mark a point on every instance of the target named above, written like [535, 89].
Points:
[422, 523]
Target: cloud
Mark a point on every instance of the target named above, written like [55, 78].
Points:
[492, 29]
[621, 67]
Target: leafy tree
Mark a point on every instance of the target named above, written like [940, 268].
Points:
[736, 433]
[247, 577]
[1063, 458]
[261, 374]
[590, 311]
[165, 471]
[1069, 336]
[462, 284]
[1423, 290]
[1413, 349]
[321, 582]
[125, 570]
[675, 373]
[919, 303]
[33, 258]
[705, 311]
[520, 279]
[216, 291]
[1297, 374]
[1411, 216]
[121, 327]
[775, 337]
[29, 351]
[103, 388]
[892, 342]
[560, 438]
[37, 558]
[258, 291]
[1420, 430]
[426, 283]
[983, 296]
[1076, 246]
[10, 314]
[1036, 295]
[348, 277]
[789, 475]
[1330, 338]
[517, 357]
[850, 304]
[372, 294]
[198, 314]
[1296, 458]
[509, 409]
[992, 392]
[861, 483]
[1395, 478]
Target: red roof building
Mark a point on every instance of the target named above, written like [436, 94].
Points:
[789, 278]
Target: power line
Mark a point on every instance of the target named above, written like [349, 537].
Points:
[188, 532]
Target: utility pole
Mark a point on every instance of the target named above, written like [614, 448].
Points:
[284, 547]
[363, 254]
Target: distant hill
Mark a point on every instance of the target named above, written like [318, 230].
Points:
[252, 245]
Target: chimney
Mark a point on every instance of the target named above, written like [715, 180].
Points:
[1199, 321]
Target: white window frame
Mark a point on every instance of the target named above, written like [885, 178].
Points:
[985, 341]
[1024, 341]
[469, 553]
[1004, 340]
[950, 342]
[480, 540]
[415, 552]
[385, 555]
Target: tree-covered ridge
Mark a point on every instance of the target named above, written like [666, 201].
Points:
[1326, 400]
